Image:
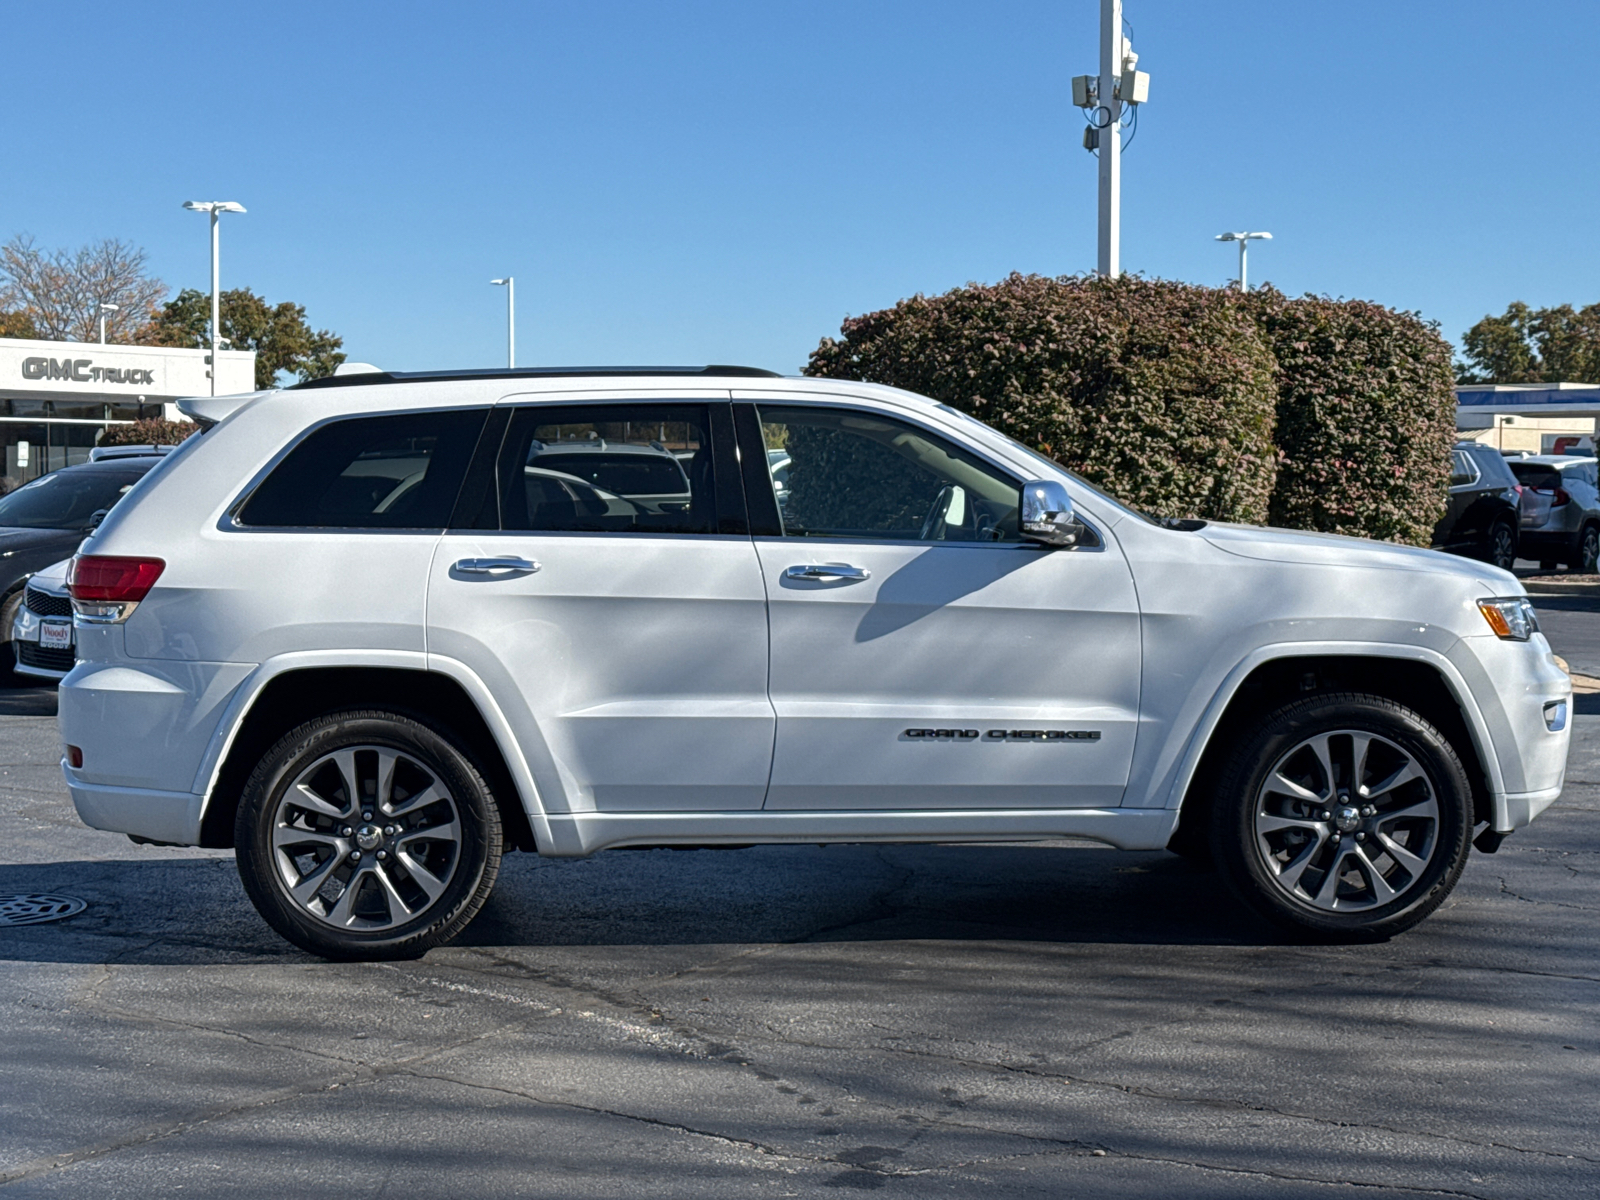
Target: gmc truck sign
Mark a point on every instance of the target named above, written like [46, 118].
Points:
[83, 370]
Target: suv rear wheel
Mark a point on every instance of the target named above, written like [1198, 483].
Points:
[1500, 547]
[367, 835]
[1347, 817]
[1586, 558]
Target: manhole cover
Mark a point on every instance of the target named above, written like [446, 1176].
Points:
[38, 907]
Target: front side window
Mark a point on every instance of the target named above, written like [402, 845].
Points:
[611, 468]
[393, 472]
[840, 473]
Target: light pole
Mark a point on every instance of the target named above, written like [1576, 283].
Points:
[1244, 240]
[510, 284]
[105, 307]
[216, 208]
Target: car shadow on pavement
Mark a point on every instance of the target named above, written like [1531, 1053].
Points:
[21, 697]
[194, 910]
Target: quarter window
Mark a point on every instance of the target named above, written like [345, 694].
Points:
[627, 468]
[839, 473]
[394, 472]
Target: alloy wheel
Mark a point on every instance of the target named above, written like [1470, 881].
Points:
[1345, 821]
[366, 838]
[1503, 547]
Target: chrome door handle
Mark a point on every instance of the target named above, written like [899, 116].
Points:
[494, 566]
[828, 571]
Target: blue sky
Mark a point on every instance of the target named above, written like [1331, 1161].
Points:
[717, 182]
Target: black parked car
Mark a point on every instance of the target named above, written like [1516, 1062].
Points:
[44, 521]
[1483, 520]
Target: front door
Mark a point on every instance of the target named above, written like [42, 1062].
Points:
[923, 655]
[611, 597]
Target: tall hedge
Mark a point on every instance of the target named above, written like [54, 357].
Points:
[1313, 413]
[157, 431]
[1160, 393]
[1366, 417]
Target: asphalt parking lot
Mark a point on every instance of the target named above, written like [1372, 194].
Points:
[1033, 1020]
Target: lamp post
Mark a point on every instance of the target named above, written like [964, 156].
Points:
[216, 208]
[1244, 240]
[510, 284]
[105, 307]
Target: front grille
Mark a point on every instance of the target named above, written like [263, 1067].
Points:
[47, 605]
[31, 654]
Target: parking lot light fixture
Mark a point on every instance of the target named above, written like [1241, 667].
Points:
[1244, 240]
[216, 208]
[510, 284]
[105, 307]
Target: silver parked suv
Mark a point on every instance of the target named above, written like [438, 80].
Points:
[1566, 529]
[373, 630]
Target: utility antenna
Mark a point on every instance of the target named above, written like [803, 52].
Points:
[1105, 99]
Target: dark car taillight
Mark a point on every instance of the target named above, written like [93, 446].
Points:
[106, 588]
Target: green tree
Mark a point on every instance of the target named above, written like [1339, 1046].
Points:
[1528, 345]
[278, 333]
[17, 324]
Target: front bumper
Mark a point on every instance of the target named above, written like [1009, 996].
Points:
[1514, 683]
[32, 659]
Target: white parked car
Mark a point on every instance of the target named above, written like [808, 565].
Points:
[367, 645]
[41, 633]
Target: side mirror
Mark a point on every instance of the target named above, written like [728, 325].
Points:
[1046, 514]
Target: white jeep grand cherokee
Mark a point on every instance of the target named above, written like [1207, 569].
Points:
[372, 630]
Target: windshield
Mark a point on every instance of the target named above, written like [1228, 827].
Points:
[64, 499]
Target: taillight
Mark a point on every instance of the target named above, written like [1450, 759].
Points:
[106, 588]
[1561, 497]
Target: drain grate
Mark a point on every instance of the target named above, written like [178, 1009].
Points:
[35, 908]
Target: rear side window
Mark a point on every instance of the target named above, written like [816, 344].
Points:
[395, 472]
[609, 468]
[1493, 465]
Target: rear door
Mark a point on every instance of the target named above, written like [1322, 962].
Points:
[601, 579]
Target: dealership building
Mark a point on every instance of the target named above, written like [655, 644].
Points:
[57, 398]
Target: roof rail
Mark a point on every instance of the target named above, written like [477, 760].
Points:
[366, 377]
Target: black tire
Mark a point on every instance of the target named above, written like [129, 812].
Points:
[8, 649]
[451, 873]
[1500, 546]
[1257, 859]
[1586, 553]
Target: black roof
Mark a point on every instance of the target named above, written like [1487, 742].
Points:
[529, 373]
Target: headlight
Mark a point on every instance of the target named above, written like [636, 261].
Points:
[1511, 617]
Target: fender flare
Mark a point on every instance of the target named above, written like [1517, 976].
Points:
[249, 691]
[1477, 727]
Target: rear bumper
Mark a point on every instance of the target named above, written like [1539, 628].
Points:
[159, 816]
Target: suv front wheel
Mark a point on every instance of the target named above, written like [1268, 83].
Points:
[1347, 817]
[367, 835]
